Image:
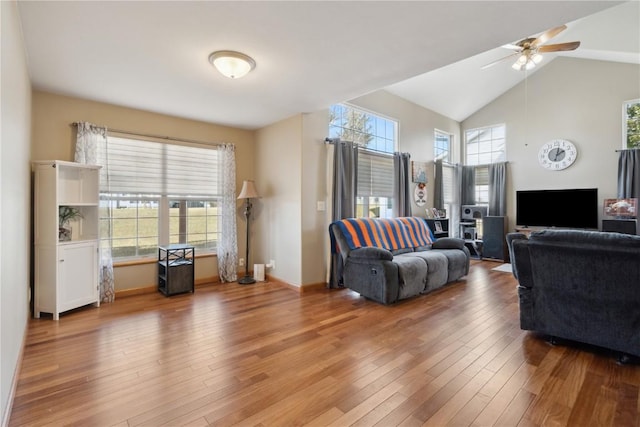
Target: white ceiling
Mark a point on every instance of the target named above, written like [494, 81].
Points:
[152, 55]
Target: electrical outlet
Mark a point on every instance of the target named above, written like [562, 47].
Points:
[272, 264]
[241, 262]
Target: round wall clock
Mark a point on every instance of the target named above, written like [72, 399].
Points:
[557, 154]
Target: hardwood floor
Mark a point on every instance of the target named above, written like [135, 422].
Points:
[265, 355]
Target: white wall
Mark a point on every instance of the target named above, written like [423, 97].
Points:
[574, 99]
[15, 182]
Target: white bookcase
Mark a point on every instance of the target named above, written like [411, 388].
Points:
[65, 272]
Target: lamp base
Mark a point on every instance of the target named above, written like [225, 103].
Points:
[247, 280]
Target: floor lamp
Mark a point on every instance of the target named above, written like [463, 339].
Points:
[248, 192]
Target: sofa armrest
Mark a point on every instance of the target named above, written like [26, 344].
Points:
[372, 253]
[448, 243]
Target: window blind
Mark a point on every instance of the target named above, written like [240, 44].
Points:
[482, 175]
[375, 175]
[447, 184]
[146, 167]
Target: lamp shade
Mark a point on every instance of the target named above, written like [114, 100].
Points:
[248, 190]
[232, 64]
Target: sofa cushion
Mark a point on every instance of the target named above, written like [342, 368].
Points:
[412, 272]
[448, 243]
[437, 267]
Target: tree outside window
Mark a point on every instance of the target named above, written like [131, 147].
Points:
[631, 126]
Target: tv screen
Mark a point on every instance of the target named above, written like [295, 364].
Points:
[576, 208]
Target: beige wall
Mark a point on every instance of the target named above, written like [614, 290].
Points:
[54, 138]
[277, 223]
[575, 99]
[15, 201]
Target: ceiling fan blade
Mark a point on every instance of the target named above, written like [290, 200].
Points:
[511, 46]
[558, 47]
[499, 60]
[548, 35]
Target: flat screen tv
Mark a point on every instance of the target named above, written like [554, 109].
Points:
[575, 208]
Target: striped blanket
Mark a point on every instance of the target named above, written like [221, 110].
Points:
[387, 233]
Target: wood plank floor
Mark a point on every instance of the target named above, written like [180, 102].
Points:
[264, 355]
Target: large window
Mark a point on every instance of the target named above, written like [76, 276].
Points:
[484, 146]
[631, 124]
[377, 136]
[158, 193]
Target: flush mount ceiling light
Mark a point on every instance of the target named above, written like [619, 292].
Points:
[232, 64]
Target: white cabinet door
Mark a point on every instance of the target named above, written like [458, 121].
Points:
[78, 275]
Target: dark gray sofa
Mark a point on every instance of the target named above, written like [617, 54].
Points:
[582, 286]
[387, 276]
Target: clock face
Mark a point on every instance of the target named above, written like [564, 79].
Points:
[557, 154]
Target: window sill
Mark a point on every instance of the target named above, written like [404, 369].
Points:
[142, 261]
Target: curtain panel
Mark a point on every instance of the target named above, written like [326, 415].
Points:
[89, 139]
[629, 174]
[468, 185]
[401, 187]
[227, 245]
[498, 189]
[345, 174]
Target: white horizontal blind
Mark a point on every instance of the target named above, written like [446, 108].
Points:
[447, 184]
[482, 175]
[375, 175]
[145, 167]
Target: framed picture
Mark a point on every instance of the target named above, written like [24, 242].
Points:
[621, 208]
[442, 213]
[438, 226]
[435, 213]
[419, 172]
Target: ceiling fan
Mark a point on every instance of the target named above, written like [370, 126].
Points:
[528, 51]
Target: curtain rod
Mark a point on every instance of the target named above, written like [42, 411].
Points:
[166, 138]
[328, 140]
[627, 149]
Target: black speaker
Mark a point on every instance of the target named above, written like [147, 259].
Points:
[494, 232]
[624, 226]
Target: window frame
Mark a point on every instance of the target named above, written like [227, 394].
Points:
[502, 153]
[449, 152]
[163, 231]
[366, 203]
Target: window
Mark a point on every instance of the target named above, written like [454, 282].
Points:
[158, 193]
[442, 146]
[377, 136]
[485, 145]
[631, 124]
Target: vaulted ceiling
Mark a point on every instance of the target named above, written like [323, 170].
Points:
[309, 54]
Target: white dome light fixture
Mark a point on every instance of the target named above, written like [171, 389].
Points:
[232, 64]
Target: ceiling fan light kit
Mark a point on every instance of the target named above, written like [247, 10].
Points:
[529, 50]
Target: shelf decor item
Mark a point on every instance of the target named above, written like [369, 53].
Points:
[66, 214]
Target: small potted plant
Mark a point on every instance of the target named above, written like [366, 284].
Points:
[66, 214]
